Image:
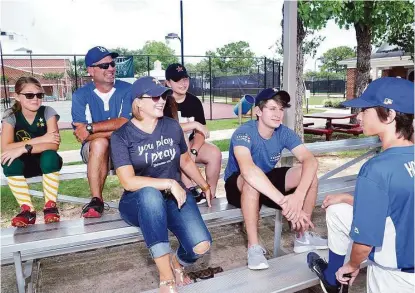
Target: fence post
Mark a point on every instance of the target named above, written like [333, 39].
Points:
[258, 76]
[273, 73]
[6, 100]
[210, 86]
[148, 65]
[76, 72]
[203, 89]
[265, 72]
[328, 86]
[31, 61]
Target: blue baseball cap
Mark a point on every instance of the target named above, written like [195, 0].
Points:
[97, 53]
[388, 92]
[148, 85]
[269, 93]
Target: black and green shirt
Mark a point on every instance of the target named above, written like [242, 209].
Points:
[23, 130]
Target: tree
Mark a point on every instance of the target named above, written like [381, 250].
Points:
[373, 21]
[4, 78]
[159, 51]
[331, 58]
[145, 57]
[80, 69]
[54, 76]
[404, 39]
[307, 44]
[137, 60]
[232, 58]
[323, 75]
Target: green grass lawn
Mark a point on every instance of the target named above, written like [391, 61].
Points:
[319, 100]
[75, 187]
[113, 190]
[222, 124]
[68, 141]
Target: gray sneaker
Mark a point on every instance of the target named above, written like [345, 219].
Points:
[309, 241]
[256, 258]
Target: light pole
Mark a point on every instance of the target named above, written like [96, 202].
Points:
[172, 36]
[315, 64]
[31, 62]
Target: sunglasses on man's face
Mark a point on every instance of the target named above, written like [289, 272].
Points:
[156, 99]
[30, 96]
[104, 65]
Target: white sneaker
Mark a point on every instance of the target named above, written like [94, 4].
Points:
[309, 241]
[256, 258]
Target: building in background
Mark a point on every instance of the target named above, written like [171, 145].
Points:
[21, 59]
[387, 60]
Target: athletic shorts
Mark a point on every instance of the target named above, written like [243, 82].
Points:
[277, 178]
[85, 155]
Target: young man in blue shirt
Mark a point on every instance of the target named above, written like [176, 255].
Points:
[251, 178]
[378, 222]
[99, 108]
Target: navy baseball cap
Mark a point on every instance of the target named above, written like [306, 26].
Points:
[97, 53]
[388, 92]
[148, 85]
[176, 72]
[269, 93]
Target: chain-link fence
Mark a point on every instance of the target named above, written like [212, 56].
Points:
[213, 79]
[326, 86]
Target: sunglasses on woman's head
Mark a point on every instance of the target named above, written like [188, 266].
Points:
[30, 96]
[156, 99]
[104, 65]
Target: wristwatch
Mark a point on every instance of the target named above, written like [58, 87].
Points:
[28, 148]
[89, 128]
[194, 152]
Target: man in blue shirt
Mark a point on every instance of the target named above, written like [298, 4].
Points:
[99, 108]
[251, 179]
[379, 220]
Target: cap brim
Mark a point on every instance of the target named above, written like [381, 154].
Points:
[358, 103]
[158, 91]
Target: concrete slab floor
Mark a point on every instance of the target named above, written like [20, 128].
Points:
[129, 268]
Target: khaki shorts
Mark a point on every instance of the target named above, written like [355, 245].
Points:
[85, 155]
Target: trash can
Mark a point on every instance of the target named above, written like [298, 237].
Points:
[247, 102]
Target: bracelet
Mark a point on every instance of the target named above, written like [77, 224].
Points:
[205, 188]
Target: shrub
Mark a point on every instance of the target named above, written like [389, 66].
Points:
[333, 103]
[336, 103]
[327, 103]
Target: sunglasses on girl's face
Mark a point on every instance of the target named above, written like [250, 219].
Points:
[104, 65]
[30, 96]
[156, 99]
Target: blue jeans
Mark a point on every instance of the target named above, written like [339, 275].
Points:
[155, 214]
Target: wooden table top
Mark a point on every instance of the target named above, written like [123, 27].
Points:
[326, 115]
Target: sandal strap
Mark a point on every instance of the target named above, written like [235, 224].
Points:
[170, 284]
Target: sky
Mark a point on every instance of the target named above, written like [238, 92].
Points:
[74, 26]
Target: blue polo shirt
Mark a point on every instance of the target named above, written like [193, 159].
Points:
[265, 152]
[88, 107]
[383, 210]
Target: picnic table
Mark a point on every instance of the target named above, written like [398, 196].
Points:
[329, 117]
[328, 130]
